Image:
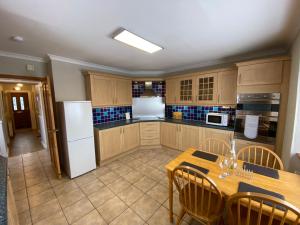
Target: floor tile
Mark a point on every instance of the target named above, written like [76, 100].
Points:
[161, 217]
[93, 218]
[101, 171]
[145, 184]
[25, 218]
[145, 207]
[56, 219]
[159, 193]
[92, 187]
[129, 217]
[109, 177]
[176, 204]
[38, 188]
[78, 210]
[70, 198]
[20, 195]
[46, 210]
[130, 195]
[65, 188]
[112, 209]
[133, 176]
[101, 196]
[85, 179]
[118, 185]
[42, 197]
[22, 205]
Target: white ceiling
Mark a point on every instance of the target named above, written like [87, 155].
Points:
[193, 33]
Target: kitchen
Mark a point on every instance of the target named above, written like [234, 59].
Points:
[152, 119]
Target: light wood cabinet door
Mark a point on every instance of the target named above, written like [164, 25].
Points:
[102, 91]
[186, 90]
[260, 74]
[218, 134]
[227, 85]
[239, 144]
[131, 137]
[207, 89]
[123, 92]
[189, 137]
[169, 135]
[110, 142]
[171, 91]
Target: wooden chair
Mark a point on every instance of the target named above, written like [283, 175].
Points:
[216, 146]
[198, 195]
[250, 208]
[260, 155]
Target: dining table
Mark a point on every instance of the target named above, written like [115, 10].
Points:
[287, 184]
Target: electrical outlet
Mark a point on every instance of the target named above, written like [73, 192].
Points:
[30, 67]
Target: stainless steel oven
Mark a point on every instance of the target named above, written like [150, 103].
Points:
[264, 105]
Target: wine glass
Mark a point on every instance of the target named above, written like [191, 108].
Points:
[224, 165]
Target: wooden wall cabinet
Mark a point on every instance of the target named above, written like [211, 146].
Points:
[260, 73]
[150, 133]
[171, 91]
[115, 141]
[217, 87]
[108, 90]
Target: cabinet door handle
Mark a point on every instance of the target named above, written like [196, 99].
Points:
[218, 98]
[240, 78]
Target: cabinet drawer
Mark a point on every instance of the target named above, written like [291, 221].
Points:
[150, 125]
[155, 141]
[150, 135]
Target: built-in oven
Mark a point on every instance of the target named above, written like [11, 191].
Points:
[263, 105]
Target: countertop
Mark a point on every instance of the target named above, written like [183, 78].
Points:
[3, 190]
[108, 125]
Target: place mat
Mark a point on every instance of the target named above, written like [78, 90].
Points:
[203, 170]
[244, 187]
[205, 155]
[265, 171]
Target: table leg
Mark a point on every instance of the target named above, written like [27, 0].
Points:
[170, 196]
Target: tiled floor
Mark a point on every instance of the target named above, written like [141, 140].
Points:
[25, 141]
[129, 191]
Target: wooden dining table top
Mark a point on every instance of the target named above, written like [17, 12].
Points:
[287, 185]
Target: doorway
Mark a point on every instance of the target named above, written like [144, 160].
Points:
[21, 110]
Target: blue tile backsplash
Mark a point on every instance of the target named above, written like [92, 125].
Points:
[197, 112]
[109, 114]
[138, 87]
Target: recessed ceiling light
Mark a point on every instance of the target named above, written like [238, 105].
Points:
[17, 88]
[17, 38]
[19, 85]
[136, 41]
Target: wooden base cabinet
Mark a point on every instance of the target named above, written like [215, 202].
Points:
[115, 141]
[169, 135]
[150, 133]
[218, 134]
[243, 143]
[181, 137]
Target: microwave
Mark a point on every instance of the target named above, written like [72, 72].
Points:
[218, 119]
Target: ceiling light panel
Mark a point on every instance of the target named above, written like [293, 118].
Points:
[137, 42]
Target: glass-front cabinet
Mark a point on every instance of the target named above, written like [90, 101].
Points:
[207, 88]
[186, 90]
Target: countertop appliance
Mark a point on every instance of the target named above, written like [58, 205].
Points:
[263, 105]
[78, 137]
[218, 119]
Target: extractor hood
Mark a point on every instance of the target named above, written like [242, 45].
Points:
[148, 92]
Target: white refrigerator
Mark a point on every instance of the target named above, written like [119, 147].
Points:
[78, 137]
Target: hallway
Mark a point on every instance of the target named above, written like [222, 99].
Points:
[25, 141]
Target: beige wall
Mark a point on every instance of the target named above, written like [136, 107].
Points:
[18, 67]
[291, 144]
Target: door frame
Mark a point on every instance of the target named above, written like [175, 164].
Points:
[49, 114]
